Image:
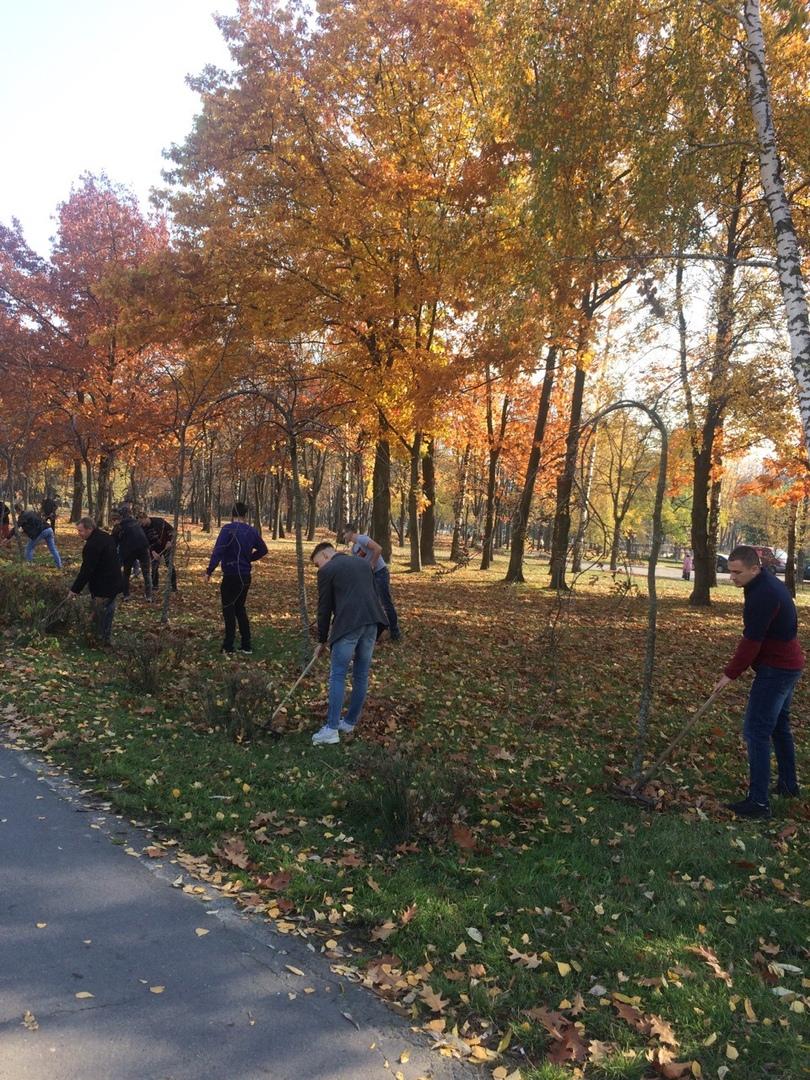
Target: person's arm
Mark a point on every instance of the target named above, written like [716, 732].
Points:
[326, 600]
[757, 620]
[373, 548]
[259, 549]
[90, 558]
[219, 550]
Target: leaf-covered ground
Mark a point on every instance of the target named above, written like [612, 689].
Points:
[465, 855]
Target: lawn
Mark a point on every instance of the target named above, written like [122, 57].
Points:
[466, 855]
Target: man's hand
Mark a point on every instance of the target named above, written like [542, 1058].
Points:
[72, 595]
[320, 648]
[207, 577]
[722, 682]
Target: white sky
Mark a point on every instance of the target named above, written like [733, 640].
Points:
[95, 85]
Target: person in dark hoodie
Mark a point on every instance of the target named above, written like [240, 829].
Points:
[133, 547]
[159, 533]
[238, 546]
[770, 646]
[101, 571]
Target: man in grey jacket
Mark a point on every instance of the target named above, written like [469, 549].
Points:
[347, 599]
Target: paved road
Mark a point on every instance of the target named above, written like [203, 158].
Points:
[86, 931]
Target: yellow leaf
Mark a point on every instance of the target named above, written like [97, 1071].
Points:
[175, 792]
[404, 1057]
[732, 1053]
[201, 931]
[41, 925]
[749, 1010]
[711, 1040]
[84, 994]
[156, 989]
[294, 970]
[564, 969]
[507, 1038]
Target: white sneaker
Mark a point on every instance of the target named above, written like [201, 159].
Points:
[327, 736]
[347, 729]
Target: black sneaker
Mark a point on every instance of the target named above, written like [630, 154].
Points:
[785, 792]
[748, 808]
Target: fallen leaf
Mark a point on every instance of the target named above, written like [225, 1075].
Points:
[294, 970]
[475, 934]
[30, 1021]
[383, 932]
[156, 989]
[435, 1002]
[82, 994]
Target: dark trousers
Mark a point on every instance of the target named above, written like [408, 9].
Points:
[233, 590]
[127, 562]
[164, 555]
[767, 720]
[382, 583]
[103, 610]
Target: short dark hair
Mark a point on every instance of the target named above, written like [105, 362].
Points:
[87, 523]
[324, 544]
[746, 555]
[350, 526]
[239, 510]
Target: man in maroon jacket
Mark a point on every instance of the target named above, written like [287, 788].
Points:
[771, 647]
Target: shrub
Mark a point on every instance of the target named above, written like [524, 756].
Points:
[38, 601]
[407, 798]
[238, 702]
[146, 658]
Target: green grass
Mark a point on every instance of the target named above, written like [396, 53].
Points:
[529, 710]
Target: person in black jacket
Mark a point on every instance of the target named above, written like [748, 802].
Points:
[159, 533]
[101, 570]
[133, 547]
[348, 600]
[49, 508]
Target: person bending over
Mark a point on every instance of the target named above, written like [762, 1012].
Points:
[349, 618]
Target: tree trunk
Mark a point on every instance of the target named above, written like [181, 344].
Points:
[520, 520]
[258, 495]
[615, 544]
[790, 566]
[788, 252]
[178, 498]
[78, 491]
[103, 491]
[381, 491]
[90, 501]
[584, 504]
[459, 505]
[298, 516]
[427, 540]
[565, 483]
[714, 518]
[414, 493]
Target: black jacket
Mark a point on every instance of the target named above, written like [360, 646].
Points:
[159, 533]
[100, 567]
[31, 524]
[130, 537]
[346, 590]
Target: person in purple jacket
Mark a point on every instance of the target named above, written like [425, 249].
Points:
[238, 546]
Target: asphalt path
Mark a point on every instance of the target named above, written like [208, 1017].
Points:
[104, 974]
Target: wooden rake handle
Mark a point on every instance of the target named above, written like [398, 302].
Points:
[666, 753]
[295, 686]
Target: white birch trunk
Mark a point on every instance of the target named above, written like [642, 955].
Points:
[788, 255]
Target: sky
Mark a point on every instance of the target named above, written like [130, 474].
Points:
[92, 86]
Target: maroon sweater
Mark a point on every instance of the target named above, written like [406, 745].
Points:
[770, 628]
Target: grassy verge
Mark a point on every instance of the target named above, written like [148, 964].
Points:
[465, 855]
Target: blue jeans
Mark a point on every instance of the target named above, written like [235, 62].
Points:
[767, 720]
[382, 583]
[356, 649]
[45, 537]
